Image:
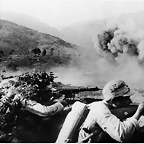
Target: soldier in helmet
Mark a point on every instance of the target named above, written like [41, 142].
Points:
[43, 110]
[101, 125]
[9, 92]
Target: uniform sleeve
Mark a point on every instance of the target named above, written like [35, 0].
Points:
[43, 110]
[121, 131]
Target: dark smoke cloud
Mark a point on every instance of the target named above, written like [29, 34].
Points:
[122, 55]
[117, 43]
[123, 43]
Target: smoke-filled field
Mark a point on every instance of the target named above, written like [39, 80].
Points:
[119, 52]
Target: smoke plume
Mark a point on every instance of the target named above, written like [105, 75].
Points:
[118, 54]
[122, 53]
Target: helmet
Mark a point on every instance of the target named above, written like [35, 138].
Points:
[116, 88]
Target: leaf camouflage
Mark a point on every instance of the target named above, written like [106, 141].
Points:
[28, 85]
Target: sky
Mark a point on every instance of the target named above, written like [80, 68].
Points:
[66, 12]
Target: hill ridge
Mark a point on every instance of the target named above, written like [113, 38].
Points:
[25, 47]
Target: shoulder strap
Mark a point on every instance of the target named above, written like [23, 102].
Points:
[89, 136]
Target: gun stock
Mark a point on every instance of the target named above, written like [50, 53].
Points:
[121, 113]
[124, 112]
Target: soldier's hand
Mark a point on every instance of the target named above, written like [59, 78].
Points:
[53, 90]
[141, 123]
[64, 103]
[17, 97]
[141, 108]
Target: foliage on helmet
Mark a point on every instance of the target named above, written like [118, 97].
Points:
[28, 85]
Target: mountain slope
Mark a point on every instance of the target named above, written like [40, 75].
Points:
[23, 47]
[30, 22]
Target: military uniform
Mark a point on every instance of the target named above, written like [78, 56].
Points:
[42, 110]
[101, 125]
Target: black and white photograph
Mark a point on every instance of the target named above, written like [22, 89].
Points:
[71, 71]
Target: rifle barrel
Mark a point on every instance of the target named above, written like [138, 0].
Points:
[77, 90]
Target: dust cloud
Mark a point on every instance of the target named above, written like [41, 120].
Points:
[73, 76]
[123, 60]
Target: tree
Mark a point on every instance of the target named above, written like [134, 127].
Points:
[44, 52]
[36, 51]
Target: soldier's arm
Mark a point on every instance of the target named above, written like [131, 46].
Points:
[121, 131]
[42, 110]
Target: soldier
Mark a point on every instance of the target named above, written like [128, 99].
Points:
[34, 106]
[41, 109]
[41, 117]
[9, 93]
[101, 125]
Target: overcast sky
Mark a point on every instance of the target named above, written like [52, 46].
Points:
[65, 12]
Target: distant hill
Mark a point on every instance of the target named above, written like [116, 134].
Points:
[24, 47]
[30, 22]
[82, 33]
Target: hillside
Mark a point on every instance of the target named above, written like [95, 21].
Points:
[30, 22]
[82, 33]
[24, 47]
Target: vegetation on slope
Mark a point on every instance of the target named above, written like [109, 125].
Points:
[24, 47]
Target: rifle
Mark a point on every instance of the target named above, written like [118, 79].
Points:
[70, 92]
[122, 113]
[125, 112]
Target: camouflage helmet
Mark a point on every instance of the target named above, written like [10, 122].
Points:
[116, 88]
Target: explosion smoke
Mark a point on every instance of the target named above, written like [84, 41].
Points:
[119, 54]
[122, 52]
[119, 42]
